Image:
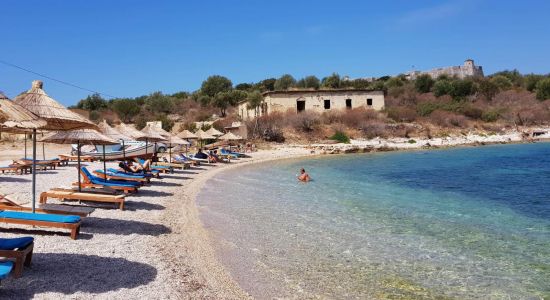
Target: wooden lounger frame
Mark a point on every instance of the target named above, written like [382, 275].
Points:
[87, 183]
[68, 194]
[75, 158]
[115, 177]
[183, 165]
[73, 227]
[7, 204]
[21, 256]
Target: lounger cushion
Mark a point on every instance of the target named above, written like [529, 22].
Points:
[15, 243]
[39, 217]
[5, 269]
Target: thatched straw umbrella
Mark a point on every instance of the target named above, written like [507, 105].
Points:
[230, 137]
[172, 139]
[188, 135]
[56, 115]
[150, 134]
[78, 136]
[17, 119]
[201, 135]
[115, 135]
[130, 131]
[214, 132]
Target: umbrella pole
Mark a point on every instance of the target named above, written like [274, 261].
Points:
[33, 169]
[104, 165]
[25, 146]
[170, 152]
[123, 151]
[154, 152]
[146, 148]
[78, 159]
[43, 149]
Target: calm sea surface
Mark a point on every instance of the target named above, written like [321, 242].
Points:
[464, 223]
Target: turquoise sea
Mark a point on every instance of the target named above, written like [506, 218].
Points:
[465, 223]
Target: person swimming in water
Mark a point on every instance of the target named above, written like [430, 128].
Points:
[304, 176]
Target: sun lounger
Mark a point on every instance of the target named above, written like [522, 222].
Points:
[56, 161]
[16, 169]
[203, 160]
[7, 204]
[181, 159]
[75, 157]
[47, 163]
[163, 169]
[229, 153]
[5, 269]
[90, 180]
[174, 164]
[19, 249]
[121, 177]
[66, 194]
[45, 220]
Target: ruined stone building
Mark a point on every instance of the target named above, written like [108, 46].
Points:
[469, 69]
[313, 100]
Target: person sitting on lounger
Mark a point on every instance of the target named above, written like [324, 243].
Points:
[304, 176]
[201, 154]
[130, 167]
[214, 156]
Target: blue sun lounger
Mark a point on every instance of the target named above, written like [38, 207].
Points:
[229, 153]
[45, 220]
[116, 171]
[94, 181]
[158, 168]
[122, 177]
[5, 269]
[19, 249]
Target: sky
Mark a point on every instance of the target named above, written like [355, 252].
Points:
[132, 48]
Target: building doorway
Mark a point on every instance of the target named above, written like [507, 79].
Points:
[348, 103]
[301, 105]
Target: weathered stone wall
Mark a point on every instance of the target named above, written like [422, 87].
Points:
[314, 101]
[469, 69]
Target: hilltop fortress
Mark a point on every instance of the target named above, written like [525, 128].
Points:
[469, 69]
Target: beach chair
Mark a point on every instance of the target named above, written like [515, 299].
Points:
[14, 168]
[183, 159]
[7, 204]
[123, 172]
[228, 153]
[92, 181]
[5, 269]
[75, 157]
[174, 164]
[68, 194]
[121, 177]
[46, 163]
[18, 249]
[163, 169]
[190, 157]
[44, 220]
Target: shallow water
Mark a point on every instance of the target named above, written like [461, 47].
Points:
[463, 223]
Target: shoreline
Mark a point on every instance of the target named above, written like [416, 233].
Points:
[208, 274]
[212, 277]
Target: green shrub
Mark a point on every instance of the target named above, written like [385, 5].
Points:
[490, 116]
[426, 108]
[424, 83]
[442, 87]
[411, 141]
[462, 88]
[340, 137]
[543, 89]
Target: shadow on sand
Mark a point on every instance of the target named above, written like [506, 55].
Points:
[121, 227]
[151, 193]
[71, 273]
[13, 179]
[27, 230]
[140, 205]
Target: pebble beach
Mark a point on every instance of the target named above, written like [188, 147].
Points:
[155, 249]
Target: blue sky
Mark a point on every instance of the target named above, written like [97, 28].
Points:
[131, 48]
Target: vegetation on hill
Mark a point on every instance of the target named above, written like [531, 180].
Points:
[424, 106]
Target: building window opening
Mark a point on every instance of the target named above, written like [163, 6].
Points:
[348, 103]
[369, 101]
[301, 105]
[327, 104]
[264, 109]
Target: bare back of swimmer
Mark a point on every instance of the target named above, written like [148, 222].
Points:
[304, 176]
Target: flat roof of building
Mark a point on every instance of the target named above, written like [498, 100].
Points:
[320, 91]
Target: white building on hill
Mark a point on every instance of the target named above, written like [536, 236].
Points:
[313, 100]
